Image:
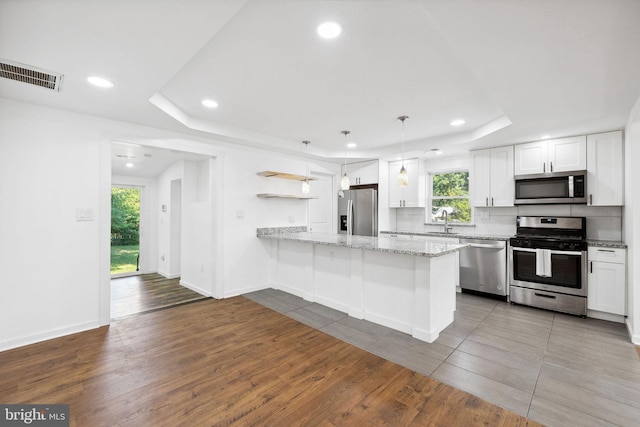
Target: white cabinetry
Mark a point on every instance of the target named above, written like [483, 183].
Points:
[362, 173]
[605, 169]
[556, 155]
[491, 177]
[606, 286]
[413, 195]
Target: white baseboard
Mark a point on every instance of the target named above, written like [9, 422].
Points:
[297, 292]
[195, 288]
[167, 275]
[605, 316]
[47, 335]
[242, 291]
[388, 322]
[634, 336]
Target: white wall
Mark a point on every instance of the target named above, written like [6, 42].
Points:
[632, 221]
[49, 164]
[168, 247]
[246, 258]
[197, 227]
[55, 269]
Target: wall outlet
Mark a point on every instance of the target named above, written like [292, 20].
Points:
[292, 219]
[239, 214]
[485, 215]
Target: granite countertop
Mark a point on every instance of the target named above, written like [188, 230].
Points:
[591, 242]
[607, 244]
[394, 245]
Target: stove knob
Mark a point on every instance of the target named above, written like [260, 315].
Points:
[561, 245]
[529, 244]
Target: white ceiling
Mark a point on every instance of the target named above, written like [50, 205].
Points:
[514, 70]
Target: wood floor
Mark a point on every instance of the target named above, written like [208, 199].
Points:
[230, 362]
[147, 292]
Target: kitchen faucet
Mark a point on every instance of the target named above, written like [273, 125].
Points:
[447, 227]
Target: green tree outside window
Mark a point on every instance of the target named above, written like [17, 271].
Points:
[450, 194]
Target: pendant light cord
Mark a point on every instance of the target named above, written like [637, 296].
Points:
[402, 119]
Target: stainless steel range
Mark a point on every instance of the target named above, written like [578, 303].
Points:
[548, 263]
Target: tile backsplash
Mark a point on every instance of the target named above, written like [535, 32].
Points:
[603, 223]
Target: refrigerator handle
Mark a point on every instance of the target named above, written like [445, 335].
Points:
[350, 217]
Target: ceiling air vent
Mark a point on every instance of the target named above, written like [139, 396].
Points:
[31, 75]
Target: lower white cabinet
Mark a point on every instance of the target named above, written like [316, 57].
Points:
[607, 284]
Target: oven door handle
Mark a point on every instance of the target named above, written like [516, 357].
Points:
[552, 252]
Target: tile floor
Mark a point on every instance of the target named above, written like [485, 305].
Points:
[556, 369]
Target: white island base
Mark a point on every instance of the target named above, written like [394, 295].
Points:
[409, 293]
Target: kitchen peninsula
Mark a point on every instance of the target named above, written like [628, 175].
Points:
[407, 285]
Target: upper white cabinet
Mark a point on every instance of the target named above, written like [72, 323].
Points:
[491, 177]
[555, 155]
[605, 169]
[413, 195]
[362, 173]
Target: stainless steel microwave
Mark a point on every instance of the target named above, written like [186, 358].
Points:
[551, 188]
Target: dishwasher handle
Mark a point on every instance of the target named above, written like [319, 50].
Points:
[475, 244]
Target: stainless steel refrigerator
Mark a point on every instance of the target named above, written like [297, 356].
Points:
[358, 212]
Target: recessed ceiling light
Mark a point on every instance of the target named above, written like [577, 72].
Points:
[457, 122]
[352, 145]
[545, 137]
[129, 165]
[329, 30]
[436, 151]
[99, 81]
[209, 103]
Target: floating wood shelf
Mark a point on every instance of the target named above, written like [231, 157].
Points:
[283, 175]
[284, 196]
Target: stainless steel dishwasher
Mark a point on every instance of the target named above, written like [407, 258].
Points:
[483, 267]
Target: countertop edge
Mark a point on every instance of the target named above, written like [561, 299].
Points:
[297, 237]
[452, 235]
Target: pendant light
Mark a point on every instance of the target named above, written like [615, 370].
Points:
[345, 183]
[306, 187]
[403, 178]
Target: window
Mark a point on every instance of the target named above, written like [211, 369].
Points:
[450, 194]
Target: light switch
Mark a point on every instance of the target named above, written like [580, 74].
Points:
[84, 214]
[239, 214]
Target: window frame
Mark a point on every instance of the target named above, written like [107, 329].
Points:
[430, 196]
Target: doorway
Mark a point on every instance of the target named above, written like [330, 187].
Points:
[125, 230]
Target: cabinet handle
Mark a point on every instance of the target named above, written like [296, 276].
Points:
[486, 201]
[591, 267]
[492, 201]
[605, 250]
[551, 163]
[591, 199]
[544, 167]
